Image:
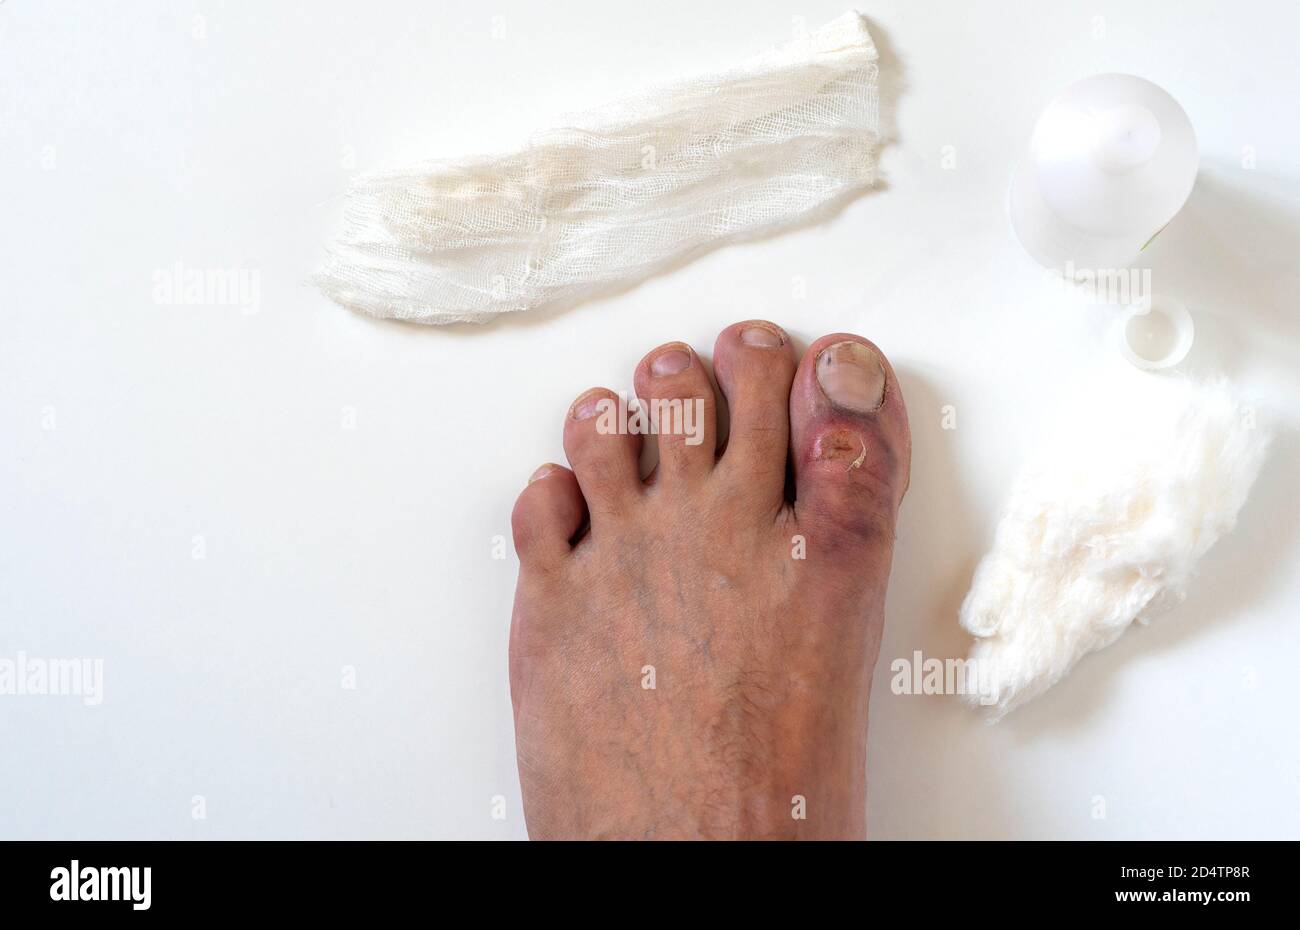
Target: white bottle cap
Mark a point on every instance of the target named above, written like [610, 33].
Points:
[1155, 333]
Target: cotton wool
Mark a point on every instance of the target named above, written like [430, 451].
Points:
[1105, 527]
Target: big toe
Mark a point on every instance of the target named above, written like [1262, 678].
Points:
[850, 444]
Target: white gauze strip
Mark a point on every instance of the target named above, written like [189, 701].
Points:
[1106, 527]
[621, 193]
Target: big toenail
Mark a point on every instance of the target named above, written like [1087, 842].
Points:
[670, 362]
[852, 376]
[542, 472]
[760, 336]
[587, 406]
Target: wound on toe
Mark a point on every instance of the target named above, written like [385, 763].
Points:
[841, 445]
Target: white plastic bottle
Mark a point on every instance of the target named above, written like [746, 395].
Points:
[1110, 162]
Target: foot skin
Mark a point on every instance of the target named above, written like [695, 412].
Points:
[691, 655]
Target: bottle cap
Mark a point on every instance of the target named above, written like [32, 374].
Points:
[1155, 332]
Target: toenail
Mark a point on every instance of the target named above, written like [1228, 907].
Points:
[542, 472]
[852, 376]
[760, 336]
[587, 406]
[670, 362]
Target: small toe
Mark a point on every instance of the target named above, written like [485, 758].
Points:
[603, 453]
[754, 363]
[547, 515]
[677, 399]
[850, 443]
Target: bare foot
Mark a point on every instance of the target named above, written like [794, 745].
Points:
[691, 655]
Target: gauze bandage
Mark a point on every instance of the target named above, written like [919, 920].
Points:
[1106, 527]
[618, 194]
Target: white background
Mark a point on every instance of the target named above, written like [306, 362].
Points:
[219, 135]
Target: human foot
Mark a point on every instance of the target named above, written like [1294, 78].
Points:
[691, 655]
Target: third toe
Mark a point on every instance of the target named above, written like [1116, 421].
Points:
[678, 405]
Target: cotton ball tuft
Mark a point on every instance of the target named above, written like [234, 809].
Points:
[1106, 527]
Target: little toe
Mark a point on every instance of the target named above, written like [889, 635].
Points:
[547, 515]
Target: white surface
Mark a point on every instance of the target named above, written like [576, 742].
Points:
[217, 135]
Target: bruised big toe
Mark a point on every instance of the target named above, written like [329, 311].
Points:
[852, 377]
[851, 446]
